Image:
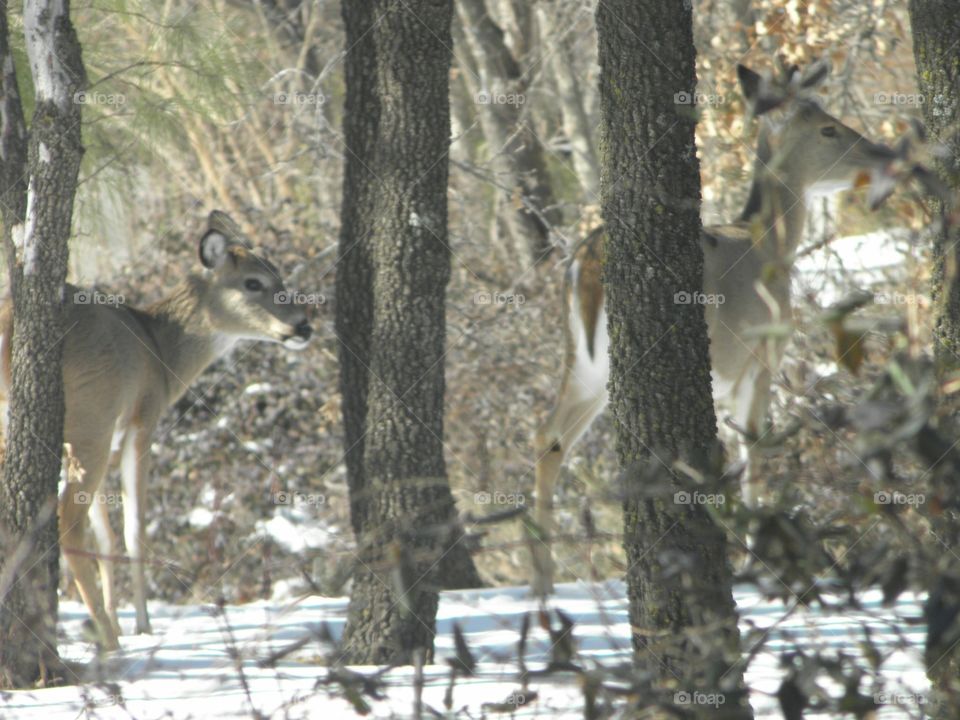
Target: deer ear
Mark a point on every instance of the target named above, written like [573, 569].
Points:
[758, 93]
[749, 83]
[214, 249]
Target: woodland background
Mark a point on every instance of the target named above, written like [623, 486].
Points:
[238, 106]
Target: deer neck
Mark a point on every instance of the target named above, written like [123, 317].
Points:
[778, 219]
[185, 337]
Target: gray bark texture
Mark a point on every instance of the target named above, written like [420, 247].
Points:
[35, 236]
[679, 580]
[391, 283]
[936, 31]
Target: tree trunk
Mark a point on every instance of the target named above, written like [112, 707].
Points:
[679, 580]
[936, 28]
[36, 244]
[391, 283]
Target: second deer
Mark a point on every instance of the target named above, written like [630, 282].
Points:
[124, 367]
[746, 263]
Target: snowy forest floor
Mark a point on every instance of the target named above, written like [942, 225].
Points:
[202, 662]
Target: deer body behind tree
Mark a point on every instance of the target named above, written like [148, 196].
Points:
[746, 284]
[124, 367]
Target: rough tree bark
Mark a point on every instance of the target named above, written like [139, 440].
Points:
[391, 282]
[679, 580]
[936, 29]
[35, 235]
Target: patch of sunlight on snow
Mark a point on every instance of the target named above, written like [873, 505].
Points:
[855, 262]
[294, 537]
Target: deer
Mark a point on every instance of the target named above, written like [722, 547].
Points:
[123, 367]
[747, 269]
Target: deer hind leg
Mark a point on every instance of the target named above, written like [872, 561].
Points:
[106, 550]
[74, 507]
[135, 465]
[583, 396]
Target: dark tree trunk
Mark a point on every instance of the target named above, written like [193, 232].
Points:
[391, 283]
[35, 234]
[936, 29]
[679, 580]
[367, 131]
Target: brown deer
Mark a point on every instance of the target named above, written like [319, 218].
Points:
[123, 367]
[746, 282]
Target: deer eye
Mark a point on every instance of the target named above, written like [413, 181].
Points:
[828, 131]
[253, 285]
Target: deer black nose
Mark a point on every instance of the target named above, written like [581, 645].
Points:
[304, 330]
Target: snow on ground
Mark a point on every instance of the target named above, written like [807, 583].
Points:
[298, 531]
[864, 262]
[187, 668]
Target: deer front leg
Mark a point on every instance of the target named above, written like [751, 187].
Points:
[548, 463]
[568, 420]
[135, 468]
[750, 414]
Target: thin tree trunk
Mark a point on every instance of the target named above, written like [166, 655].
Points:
[936, 29]
[292, 22]
[515, 150]
[679, 580]
[520, 26]
[576, 123]
[36, 243]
